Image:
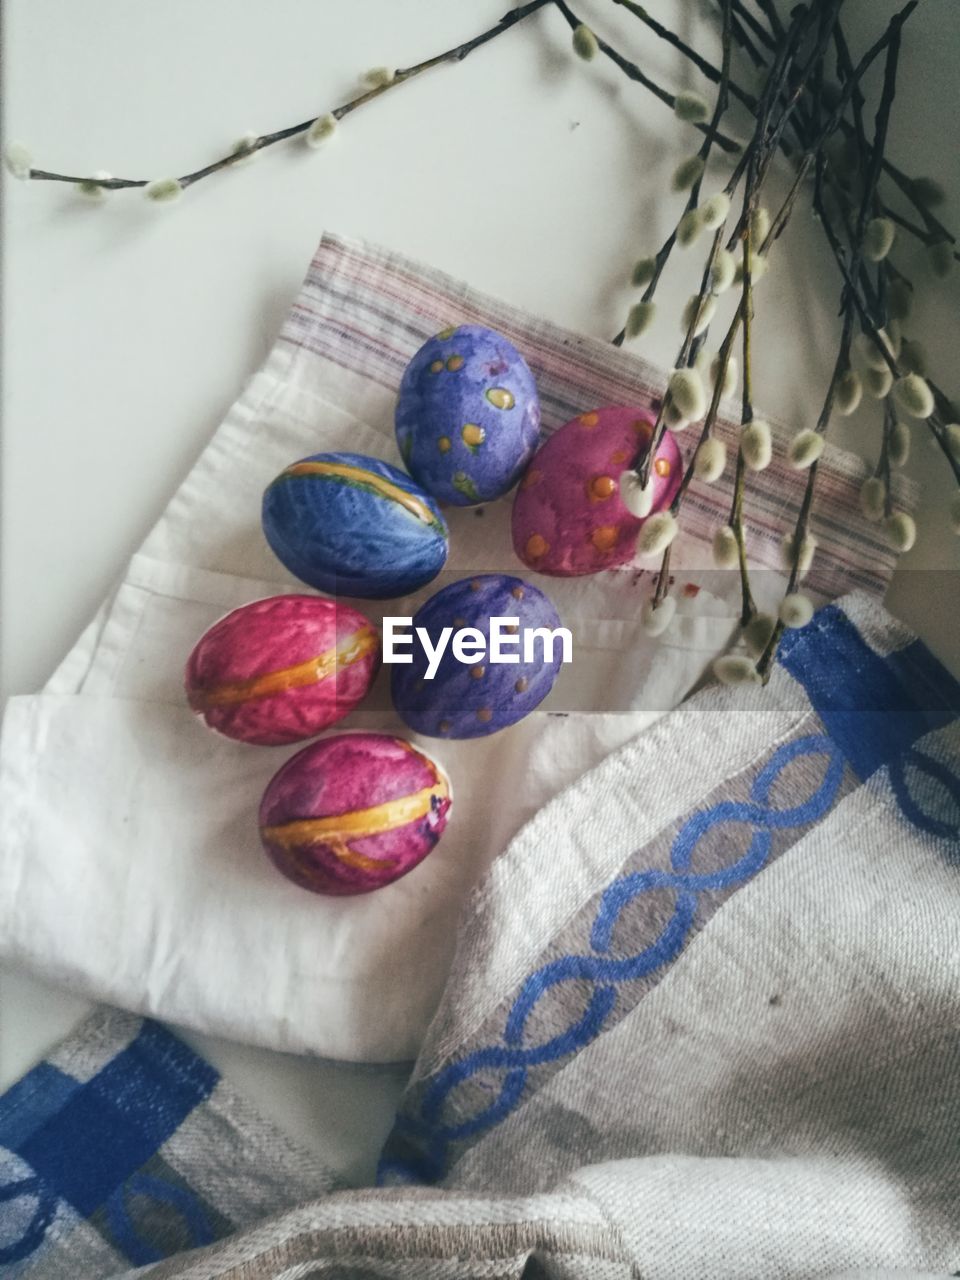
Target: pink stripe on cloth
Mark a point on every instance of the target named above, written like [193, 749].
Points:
[367, 310]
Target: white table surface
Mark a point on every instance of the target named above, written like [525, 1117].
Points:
[130, 328]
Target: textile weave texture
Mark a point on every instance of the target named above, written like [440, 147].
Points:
[124, 1147]
[703, 1018]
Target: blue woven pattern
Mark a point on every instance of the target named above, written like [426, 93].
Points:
[512, 1059]
[873, 709]
[72, 1149]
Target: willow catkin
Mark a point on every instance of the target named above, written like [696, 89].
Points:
[710, 460]
[657, 534]
[756, 444]
[726, 554]
[735, 668]
[715, 210]
[723, 272]
[163, 190]
[873, 496]
[804, 449]
[585, 43]
[323, 127]
[691, 107]
[878, 237]
[656, 619]
[687, 393]
[901, 531]
[756, 634]
[898, 444]
[913, 395]
[640, 318]
[686, 173]
[636, 496]
[689, 228]
[848, 393]
[17, 160]
[796, 610]
[643, 272]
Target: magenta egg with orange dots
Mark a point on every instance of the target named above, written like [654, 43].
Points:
[353, 813]
[568, 516]
[282, 669]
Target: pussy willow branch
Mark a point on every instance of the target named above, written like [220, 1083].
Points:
[643, 462]
[771, 94]
[936, 423]
[764, 143]
[706, 68]
[747, 606]
[633, 72]
[768, 9]
[663, 253]
[933, 230]
[890, 40]
[883, 462]
[881, 126]
[747, 19]
[456, 54]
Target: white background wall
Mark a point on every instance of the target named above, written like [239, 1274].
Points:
[128, 328]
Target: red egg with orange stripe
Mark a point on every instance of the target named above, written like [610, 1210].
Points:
[353, 813]
[283, 669]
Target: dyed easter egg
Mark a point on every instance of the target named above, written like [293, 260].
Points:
[472, 699]
[568, 516]
[283, 669]
[354, 812]
[355, 526]
[468, 417]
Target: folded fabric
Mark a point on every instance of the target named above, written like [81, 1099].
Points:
[124, 1147]
[703, 1015]
[129, 866]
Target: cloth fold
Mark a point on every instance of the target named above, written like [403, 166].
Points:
[117, 806]
[703, 1015]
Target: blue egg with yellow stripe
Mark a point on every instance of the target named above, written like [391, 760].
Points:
[352, 525]
[468, 415]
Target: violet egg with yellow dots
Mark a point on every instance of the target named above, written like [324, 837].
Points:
[353, 525]
[283, 669]
[353, 813]
[468, 416]
[503, 665]
[568, 514]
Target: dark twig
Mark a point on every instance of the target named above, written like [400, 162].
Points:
[456, 54]
[663, 253]
[874, 168]
[633, 72]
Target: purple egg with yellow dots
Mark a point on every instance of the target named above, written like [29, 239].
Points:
[283, 669]
[353, 813]
[568, 515]
[473, 698]
[353, 525]
[468, 416]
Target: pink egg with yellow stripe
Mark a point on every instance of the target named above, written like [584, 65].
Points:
[282, 669]
[353, 813]
[568, 516]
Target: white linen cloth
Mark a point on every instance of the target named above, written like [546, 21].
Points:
[130, 867]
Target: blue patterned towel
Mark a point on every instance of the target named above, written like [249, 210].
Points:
[704, 1019]
[687, 817]
[125, 1147]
